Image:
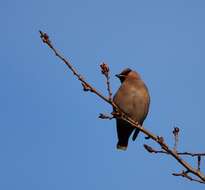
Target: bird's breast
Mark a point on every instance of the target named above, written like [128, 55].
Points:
[133, 100]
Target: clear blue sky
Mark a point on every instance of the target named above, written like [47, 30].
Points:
[50, 136]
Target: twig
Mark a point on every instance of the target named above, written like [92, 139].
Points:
[191, 154]
[176, 137]
[152, 150]
[86, 85]
[105, 71]
[118, 113]
[185, 175]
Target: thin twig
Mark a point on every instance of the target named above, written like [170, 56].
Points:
[88, 87]
[106, 71]
[152, 150]
[176, 137]
[191, 154]
[118, 113]
[185, 175]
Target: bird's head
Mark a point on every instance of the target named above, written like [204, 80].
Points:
[127, 73]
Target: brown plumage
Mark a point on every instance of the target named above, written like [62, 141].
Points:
[133, 98]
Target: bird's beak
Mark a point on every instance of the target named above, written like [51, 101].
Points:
[119, 76]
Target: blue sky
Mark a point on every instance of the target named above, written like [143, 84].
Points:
[50, 136]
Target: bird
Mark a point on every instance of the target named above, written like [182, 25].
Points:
[133, 99]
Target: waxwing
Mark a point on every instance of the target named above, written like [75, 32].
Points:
[133, 99]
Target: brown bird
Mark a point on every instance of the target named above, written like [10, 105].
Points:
[132, 98]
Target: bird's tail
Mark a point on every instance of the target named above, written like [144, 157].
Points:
[121, 146]
[124, 133]
[136, 132]
[123, 142]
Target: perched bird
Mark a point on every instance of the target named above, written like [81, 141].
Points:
[133, 99]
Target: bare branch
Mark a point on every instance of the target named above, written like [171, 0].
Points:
[119, 114]
[105, 71]
[148, 148]
[191, 154]
[152, 150]
[176, 137]
[46, 40]
[185, 175]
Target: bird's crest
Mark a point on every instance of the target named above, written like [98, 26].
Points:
[126, 71]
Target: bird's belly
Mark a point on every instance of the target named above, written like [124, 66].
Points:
[135, 106]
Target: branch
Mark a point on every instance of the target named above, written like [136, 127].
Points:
[185, 175]
[86, 85]
[191, 154]
[105, 71]
[176, 137]
[152, 150]
[120, 114]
